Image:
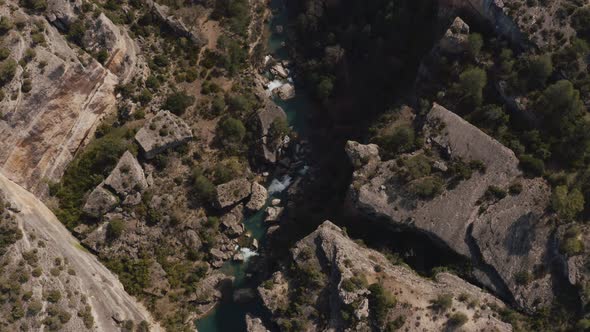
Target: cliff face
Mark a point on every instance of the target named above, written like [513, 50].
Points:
[49, 269]
[58, 95]
[474, 217]
[354, 288]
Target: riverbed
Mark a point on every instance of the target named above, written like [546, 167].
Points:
[229, 315]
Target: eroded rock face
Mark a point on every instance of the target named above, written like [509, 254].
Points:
[342, 271]
[233, 192]
[510, 234]
[162, 132]
[127, 177]
[163, 13]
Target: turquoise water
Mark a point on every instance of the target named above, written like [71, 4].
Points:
[228, 316]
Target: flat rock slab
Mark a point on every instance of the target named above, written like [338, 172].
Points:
[233, 192]
[162, 132]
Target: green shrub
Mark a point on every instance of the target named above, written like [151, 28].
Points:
[115, 229]
[401, 140]
[567, 204]
[35, 5]
[428, 187]
[571, 244]
[458, 319]
[417, 166]
[5, 25]
[7, 71]
[203, 188]
[76, 32]
[515, 188]
[495, 192]
[475, 44]
[231, 131]
[471, 84]
[531, 165]
[443, 302]
[227, 170]
[380, 302]
[53, 296]
[178, 102]
[523, 278]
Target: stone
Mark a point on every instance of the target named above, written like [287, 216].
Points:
[258, 197]
[360, 154]
[273, 213]
[456, 38]
[163, 131]
[231, 222]
[238, 257]
[275, 201]
[233, 192]
[268, 149]
[99, 202]
[127, 177]
[255, 244]
[133, 199]
[163, 13]
[280, 71]
[217, 254]
[192, 240]
[285, 91]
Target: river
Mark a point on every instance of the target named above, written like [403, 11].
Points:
[229, 315]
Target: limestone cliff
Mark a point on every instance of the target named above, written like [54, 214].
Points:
[474, 216]
[336, 284]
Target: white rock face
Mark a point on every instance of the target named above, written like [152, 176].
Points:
[127, 177]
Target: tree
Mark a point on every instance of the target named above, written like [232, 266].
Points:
[539, 69]
[115, 229]
[178, 102]
[475, 44]
[7, 71]
[324, 88]
[532, 165]
[581, 22]
[471, 84]
[567, 204]
[402, 139]
[231, 131]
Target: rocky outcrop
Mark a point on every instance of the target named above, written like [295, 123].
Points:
[162, 12]
[342, 276]
[62, 13]
[510, 233]
[233, 192]
[231, 222]
[127, 177]
[258, 197]
[162, 132]
[100, 201]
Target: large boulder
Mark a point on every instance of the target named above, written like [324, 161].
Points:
[162, 132]
[162, 12]
[100, 201]
[258, 197]
[456, 38]
[231, 222]
[233, 192]
[62, 13]
[269, 148]
[127, 177]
